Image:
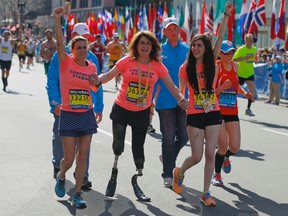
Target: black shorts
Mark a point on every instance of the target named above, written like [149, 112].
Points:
[242, 80]
[230, 118]
[138, 119]
[201, 120]
[21, 57]
[5, 65]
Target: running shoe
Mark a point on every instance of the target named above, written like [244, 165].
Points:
[177, 181]
[207, 200]
[226, 165]
[60, 186]
[217, 180]
[78, 201]
[168, 182]
[249, 112]
[150, 129]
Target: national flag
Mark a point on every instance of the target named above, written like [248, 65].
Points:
[198, 16]
[145, 19]
[273, 21]
[185, 33]
[231, 23]
[141, 20]
[259, 18]
[171, 11]
[210, 21]
[191, 18]
[165, 11]
[243, 15]
[150, 18]
[203, 18]
[280, 27]
[218, 15]
[250, 16]
[127, 23]
[157, 27]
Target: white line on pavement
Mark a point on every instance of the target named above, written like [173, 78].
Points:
[277, 132]
[110, 135]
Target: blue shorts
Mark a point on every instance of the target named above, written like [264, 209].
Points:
[76, 124]
[201, 120]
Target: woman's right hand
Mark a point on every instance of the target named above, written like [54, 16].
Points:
[59, 12]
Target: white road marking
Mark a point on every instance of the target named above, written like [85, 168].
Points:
[273, 131]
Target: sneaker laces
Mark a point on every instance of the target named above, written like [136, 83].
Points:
[226, 162]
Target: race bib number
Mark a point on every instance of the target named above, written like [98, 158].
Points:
[4, 49]
[228, 98]
[79, 99]
[204, 101]
[134, 95]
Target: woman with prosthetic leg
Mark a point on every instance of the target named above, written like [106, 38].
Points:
[140, 70]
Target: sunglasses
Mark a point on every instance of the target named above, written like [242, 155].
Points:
[228, 53]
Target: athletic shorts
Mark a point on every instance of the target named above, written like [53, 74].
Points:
[137, 119]
[201, 120]
[77, 124]
[230, 118]
[242, 80]
[46, 67]
[5, 65]
[21, 57]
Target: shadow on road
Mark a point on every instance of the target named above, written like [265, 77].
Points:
[248, 199]
[15, 93]
[99, 204]
[250, 154]
[267, 124]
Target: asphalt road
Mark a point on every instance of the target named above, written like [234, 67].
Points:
[257, 184]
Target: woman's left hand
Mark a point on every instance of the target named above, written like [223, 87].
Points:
[183, 103]
[94, 80]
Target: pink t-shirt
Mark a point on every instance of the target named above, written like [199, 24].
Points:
[74, 85]
[195, 99]
[128, 92]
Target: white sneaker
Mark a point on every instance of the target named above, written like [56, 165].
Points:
[168, 182]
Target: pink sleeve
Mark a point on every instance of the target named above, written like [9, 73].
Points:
[182, 71]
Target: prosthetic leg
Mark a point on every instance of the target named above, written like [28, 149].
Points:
[137, 190]
[119, 132]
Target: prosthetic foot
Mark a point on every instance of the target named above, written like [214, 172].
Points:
[111, 187]
[137, 190]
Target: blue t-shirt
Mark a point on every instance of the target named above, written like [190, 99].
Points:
[277, 71]
[173, 58]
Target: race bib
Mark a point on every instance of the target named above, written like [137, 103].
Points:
[204, 101]
[134, 95]
[79, 99]
[228, 98]
[4, 49]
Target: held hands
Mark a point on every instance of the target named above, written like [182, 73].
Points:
[94, 80]
[183, 103]
[250, 96]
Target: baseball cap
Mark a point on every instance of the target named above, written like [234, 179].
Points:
[227, 46]
[98, 35]
[7, 31]
[81, 29]
[278, 57]
[168, 21]
[116, 35]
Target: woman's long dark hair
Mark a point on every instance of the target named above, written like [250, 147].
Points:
[208, 62]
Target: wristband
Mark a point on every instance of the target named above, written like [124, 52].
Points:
[100, 83]
[226, 14]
